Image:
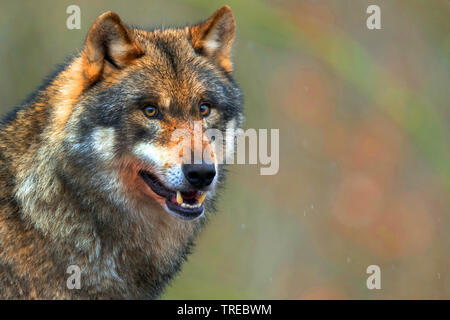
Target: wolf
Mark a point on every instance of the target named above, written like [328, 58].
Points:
[90, 175]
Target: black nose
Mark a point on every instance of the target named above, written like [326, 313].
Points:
[199, 175]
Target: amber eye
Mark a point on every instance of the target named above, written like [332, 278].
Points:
[150, 111]
[205, 109]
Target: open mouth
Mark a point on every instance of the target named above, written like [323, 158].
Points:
[184, 205]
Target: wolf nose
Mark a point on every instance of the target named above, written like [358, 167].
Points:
[199, 175]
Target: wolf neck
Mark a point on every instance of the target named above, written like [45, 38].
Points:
[40, 127]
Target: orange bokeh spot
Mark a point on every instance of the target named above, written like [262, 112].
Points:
[376, 146]
[359, 201]
[309, 97]
[404, 228]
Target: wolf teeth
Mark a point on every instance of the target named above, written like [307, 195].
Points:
[183, 204]
[179, 198]
[191, 206]
[201, 198]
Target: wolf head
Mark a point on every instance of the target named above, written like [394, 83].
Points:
[144, 102]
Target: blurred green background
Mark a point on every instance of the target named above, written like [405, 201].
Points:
[364, 142]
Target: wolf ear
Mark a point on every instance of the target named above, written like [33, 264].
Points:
[109, 44]
[214, 37]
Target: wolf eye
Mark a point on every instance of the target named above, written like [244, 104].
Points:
[150, 111]
[205, 109]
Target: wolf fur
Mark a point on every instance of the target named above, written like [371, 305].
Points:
[70, 192]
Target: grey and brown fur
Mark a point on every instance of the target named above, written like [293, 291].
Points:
[69, 189]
